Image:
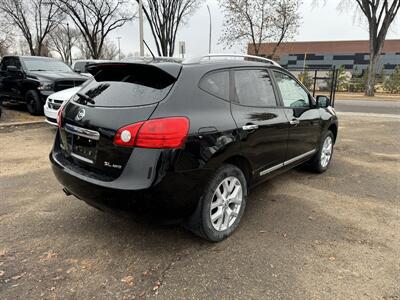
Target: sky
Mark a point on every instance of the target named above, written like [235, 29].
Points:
[322, 23]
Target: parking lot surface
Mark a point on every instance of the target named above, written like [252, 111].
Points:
[303, 236]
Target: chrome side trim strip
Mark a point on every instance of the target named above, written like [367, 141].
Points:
[287, 162]
[262, 173]
[87, 133]
[82, 158]
[292, 160]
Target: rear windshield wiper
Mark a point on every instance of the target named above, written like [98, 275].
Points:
[86, 98]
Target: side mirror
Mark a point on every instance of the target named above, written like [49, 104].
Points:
[323, 101]
[77, 71]
[12, 69]
[15, 72]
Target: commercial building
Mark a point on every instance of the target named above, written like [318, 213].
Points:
[350, 54]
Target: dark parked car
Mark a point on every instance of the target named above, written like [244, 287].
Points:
[30, 80]
[81, 66]
[188, 140]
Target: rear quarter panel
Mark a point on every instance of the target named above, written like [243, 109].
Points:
[213, 135]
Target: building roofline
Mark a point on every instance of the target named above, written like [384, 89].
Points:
[325, 47]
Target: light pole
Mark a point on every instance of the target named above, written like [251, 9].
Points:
[209, 38]
[141, 45]
[119, 47]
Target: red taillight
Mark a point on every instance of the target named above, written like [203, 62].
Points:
[167, 133]
[126, 136]
[59, 116]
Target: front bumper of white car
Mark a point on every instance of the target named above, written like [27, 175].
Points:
[50, 112]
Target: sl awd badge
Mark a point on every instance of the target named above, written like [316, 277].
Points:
[80, 115]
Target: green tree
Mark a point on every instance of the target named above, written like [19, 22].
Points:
[342, 80]
[359, 80]
[392, 83]
[306, 79]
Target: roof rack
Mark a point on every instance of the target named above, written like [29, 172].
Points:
[150, 59]
[244, 56]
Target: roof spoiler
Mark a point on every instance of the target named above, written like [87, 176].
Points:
[172, 69]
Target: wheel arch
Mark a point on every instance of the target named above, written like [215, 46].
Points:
[243, 164]
[333, 128]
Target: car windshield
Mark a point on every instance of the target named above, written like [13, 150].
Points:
[34, 64]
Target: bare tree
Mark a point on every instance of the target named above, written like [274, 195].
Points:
[83, 49]
[258, 21]
[165, 17]
[380, 15]
[5, 38]
[285, 22]
[36, 19]
[62, 40]
[96, 19]
[110, 50]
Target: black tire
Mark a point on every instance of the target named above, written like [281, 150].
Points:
[200, 222]
[316, 164]
[33, 103]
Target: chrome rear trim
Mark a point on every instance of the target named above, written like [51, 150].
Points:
[82, 158]
[87, 133]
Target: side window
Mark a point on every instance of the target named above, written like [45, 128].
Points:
[17, 63]
[80, 66]
[254, 88]
[5, 63]
[217, 84]
[293, 94]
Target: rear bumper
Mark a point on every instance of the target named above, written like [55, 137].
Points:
[175, 196]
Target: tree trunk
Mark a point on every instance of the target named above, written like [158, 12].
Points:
[32, 50]
[256, 49]
[370, 88]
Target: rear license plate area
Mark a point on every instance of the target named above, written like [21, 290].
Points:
[83, 148]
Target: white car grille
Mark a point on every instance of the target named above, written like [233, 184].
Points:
[54, 104]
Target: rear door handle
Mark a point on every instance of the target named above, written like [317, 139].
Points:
[294, 122]
[250, 127]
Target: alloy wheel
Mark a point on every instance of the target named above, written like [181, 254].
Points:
[226, 203]
[326, 152]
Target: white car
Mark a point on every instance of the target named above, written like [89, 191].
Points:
[54, 102]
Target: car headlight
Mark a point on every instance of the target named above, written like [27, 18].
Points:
[46, 86]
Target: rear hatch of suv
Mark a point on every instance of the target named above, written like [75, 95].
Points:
[119, 94]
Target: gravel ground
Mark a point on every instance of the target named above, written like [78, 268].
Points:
[17, 113]
[303, 236]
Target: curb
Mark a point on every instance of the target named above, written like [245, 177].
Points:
[14, 124]
[369, 115]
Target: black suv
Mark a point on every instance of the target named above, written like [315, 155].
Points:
[188, 140]
[31, 79]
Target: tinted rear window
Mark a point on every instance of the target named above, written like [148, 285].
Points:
[120, 85]
[217, 84]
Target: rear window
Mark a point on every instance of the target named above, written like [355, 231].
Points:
[217, 84]
[128, 85]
